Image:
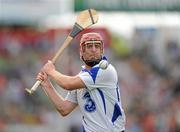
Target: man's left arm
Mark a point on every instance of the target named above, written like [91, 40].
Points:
[67, 82]
[64, 81]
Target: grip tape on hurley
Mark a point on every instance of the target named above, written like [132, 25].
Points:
[76, 29]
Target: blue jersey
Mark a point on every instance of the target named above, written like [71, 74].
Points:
[99, 102]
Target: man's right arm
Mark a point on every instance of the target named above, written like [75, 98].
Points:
[64, 107]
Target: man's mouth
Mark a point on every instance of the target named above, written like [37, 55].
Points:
[93, 58]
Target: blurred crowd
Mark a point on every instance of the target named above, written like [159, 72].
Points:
[150, 92]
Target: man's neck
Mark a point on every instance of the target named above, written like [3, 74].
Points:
[87, 67]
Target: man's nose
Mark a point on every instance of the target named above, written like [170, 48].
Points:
[93, 48]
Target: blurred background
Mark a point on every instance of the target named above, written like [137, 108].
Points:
[141, 40]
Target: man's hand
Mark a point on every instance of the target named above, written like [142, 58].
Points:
[42, 76]
[49, 68]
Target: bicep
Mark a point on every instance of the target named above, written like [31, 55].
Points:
[75, 83]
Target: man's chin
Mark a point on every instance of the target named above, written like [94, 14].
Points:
[93, 62]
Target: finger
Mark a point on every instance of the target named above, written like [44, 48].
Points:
[49, 61]
[39, 77]
[40, 74]
[44, 74]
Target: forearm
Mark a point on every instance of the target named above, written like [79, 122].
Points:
[66, 82]
[63, 106]
[58, 100]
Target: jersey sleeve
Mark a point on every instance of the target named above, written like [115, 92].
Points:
[98, 78]
[72, 96]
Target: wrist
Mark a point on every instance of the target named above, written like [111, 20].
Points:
[46, 83]
[51, 72]
[55, 75]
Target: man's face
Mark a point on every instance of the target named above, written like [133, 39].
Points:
[92, 50]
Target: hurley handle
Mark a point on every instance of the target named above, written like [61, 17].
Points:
[58, 53]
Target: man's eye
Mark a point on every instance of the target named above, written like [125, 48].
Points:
[89, 45]
[97, 45]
